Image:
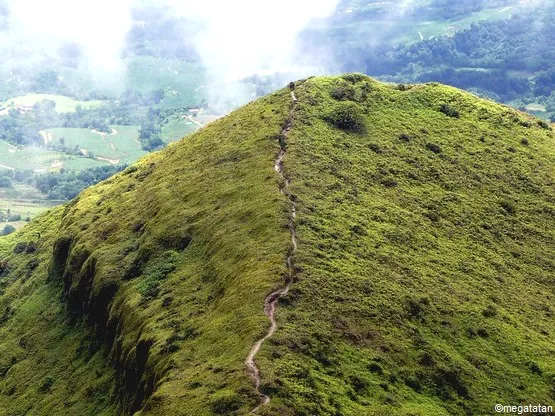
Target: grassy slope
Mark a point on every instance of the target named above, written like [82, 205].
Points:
[224, 198]
[424, 273]
[418, 293]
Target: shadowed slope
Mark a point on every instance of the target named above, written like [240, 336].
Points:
[168, 264]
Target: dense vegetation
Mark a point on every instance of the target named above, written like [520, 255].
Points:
[423, 275]
[61, 185]
[67, 185]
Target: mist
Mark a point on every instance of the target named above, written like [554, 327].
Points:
[234, 39]
[245, 37]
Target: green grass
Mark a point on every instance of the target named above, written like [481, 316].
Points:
[409, 234]
[63, 104]
[423, 277]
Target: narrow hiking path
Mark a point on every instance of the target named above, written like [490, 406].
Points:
[103, 135]
[192, 120]
[270, 303]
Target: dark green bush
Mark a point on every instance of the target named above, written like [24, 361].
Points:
[348, 116]
[375, 148]
[535, 368]
[130, 170]
[8, 229]
[359, 384]
[483, 332]
[508, 206]
[389, 183]
[449, 111]
[354, 77]
[343, 92]
[155, 272]
[20, 247]
[375, 368]
[489, 312]
[46, 384]
[404, 137]
[433, 148]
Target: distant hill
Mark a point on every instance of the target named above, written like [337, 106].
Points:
[499, 49]
[422, 265]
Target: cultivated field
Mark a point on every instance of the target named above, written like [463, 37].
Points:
[182, 81]
[63, 104]
[118, 147]
[177, 128]
[23, 200]
[41, 160]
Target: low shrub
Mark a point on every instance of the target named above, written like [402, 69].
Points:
[354, 77]
[348, 116]
[343, 92]
[375, 148]
[404, 137]
[508, 206]
[46, 384]
[489, 312]
[449, 111]
[433, 148]
[155, 272]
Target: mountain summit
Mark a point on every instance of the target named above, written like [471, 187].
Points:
[339, 247]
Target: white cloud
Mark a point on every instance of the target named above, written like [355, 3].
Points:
[99, 27]
[248, 36]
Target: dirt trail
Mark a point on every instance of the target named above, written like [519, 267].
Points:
[103, 136]
[107, 159]
[270, 303]
[7, 167]
[192, 120]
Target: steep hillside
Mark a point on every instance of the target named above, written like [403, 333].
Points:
[399, 239]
